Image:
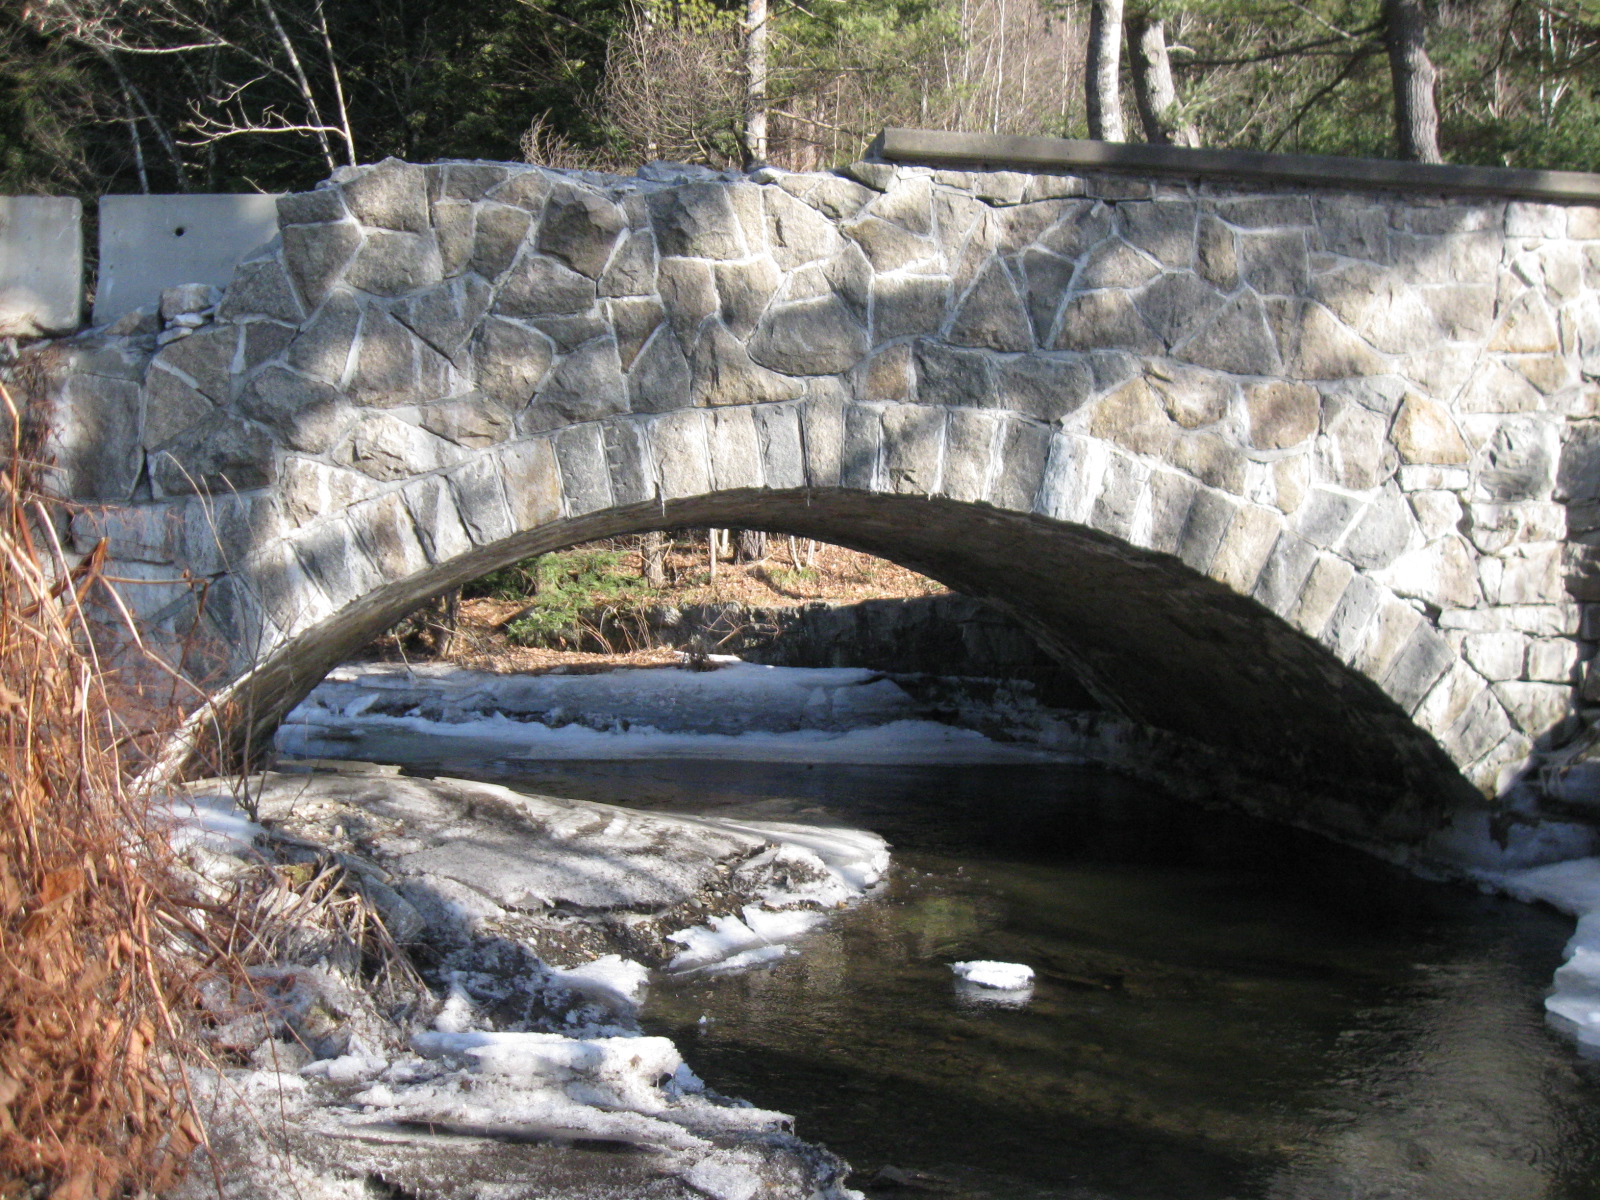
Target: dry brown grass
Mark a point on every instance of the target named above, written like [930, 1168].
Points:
[93, 1102]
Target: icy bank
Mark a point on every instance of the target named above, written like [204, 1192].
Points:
[1573, 887]
[741, 710]
[493, 1070]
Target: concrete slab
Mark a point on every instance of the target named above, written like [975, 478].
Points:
[41, 265]
[150, 243]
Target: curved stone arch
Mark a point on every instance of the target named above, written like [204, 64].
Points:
[436, 368]
[1181, 606]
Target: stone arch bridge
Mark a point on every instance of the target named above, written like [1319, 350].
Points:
[1299, 471]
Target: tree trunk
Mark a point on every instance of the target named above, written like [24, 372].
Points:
[1153, 90]
[755, 76]
[752, 545]
[653, 558]
[1416, 114]
[444, 638]
[1103, 89]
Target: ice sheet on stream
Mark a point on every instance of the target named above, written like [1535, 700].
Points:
[741, 710]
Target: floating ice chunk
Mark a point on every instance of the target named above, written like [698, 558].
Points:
[616, 982]
[1002, 976]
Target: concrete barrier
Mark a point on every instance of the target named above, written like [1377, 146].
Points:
[41, 265]
[150, 243]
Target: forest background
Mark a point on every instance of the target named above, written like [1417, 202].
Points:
[240, 95]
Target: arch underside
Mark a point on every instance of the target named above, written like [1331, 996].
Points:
[1155, 641]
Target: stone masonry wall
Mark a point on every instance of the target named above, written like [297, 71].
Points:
[1360, 421]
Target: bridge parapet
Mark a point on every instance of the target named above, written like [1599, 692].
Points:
[1329, 450]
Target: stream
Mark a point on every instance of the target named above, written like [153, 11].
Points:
[1223, 1008]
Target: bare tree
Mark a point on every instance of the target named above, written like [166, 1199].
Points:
[266, 68]
[1154, 94]
[752, 545]
[1416, 112]
[755, 74]
[680, 89]
[1102, 87]
[653, 558]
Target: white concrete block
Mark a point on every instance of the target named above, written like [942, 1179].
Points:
[41, 265]
[151, 243]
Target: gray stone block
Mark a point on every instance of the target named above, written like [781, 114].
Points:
[1425, 657]
[307, 414]
[151, 243]
[222, 453]
[627, 450]
[1204, 526]
[859, 448]
[735, 449]
[510, 360]
[744, 290]
[783, 463]
[41, 266]
[660, 378]
[913, 439]
[538, 286]
[1122, 487]
[1284, 572]
[1241, 557]
[336, 560]
[580, 228]
[678, 441]
[585, 474]
[696, 221]
[393, 264]
[725, 374]
[1351, 618]
[810, 337]
[908, 306]
[432, 504]
[969, 449]
[822, 427]
[1171, 495]
[261, 289]
[389, 537]
[532, 481]
[480, 501]
[584, 386]
[474, 420]
[991, 316]
[1047, 388]
[1024, 455]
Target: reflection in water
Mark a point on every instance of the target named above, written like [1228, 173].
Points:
[1222, 1008]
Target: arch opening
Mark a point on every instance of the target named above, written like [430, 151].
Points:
[1245, 695]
